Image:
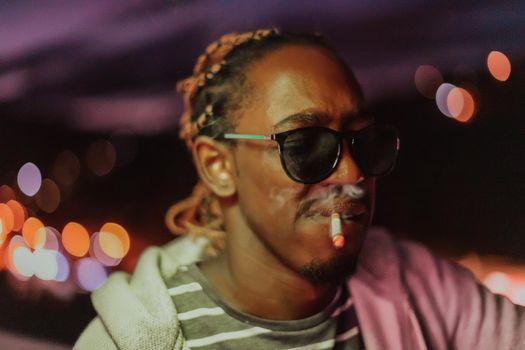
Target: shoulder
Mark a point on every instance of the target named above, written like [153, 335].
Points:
[437, 287]
[447, 293]
[417, 260]
[164, 261]
[388, 259]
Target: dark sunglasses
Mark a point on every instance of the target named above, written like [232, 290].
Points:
[309, 155]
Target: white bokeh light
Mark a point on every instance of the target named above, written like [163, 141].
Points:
[29, 179]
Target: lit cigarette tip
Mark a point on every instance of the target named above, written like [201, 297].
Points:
[336, 231]
[339, 241]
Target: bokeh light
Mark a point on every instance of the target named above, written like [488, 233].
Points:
[75, 239]
[32, 234]
[499, 65]
[52, 238]
[19, 214]
[6, 194]
[66, 169]
[63, 267]
[7, 218]
[29, 179]
[518, 297]
[96, 252]
[23, 261]
[497, 282]
[101, 157]
[45, 264]
[114, 240]
[16, 242]
[442, 96]
[427, 79]
[3, 233]
[90, 274]
[460, 104]
[48, 197]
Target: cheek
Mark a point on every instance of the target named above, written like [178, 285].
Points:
[264, 185]
[260, 168]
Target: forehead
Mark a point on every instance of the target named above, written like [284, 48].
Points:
[298, 79]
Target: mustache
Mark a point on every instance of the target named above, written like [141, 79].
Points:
[334, 194]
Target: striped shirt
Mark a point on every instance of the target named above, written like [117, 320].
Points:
[209, 323]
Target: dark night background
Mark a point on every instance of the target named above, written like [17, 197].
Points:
[75, 72]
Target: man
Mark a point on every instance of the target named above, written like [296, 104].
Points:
[285, 150]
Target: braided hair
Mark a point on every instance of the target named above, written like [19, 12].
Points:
[212, 95]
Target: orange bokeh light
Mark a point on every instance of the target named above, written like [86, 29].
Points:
[460, 104]
[19, 213]
[8, 220]
[499, 65]
[3, 232]
[75, 239]
[32, 233]
[6, 193]
[427, 79]
[114, 240]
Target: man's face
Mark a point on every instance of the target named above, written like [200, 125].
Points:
[298, 86]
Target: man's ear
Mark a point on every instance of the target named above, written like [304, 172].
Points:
[215, 166]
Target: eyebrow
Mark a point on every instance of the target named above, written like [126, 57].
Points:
[304, 119]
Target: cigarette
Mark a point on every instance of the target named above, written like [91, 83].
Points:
[336, 231]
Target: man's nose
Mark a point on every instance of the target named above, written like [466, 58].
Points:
[347, 171]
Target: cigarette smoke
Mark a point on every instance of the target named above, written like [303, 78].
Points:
[339, 192]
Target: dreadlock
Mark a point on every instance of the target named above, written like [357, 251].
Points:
[211, 96]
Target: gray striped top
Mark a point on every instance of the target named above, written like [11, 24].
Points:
[208, 323]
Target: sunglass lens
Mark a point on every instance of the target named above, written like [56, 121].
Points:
[309, 154]
[375, 149]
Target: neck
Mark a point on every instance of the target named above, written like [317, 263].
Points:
[251, 279]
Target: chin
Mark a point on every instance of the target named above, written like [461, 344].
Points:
[334, 270]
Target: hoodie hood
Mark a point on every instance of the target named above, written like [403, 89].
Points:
[137, 310]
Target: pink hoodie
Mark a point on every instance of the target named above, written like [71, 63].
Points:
[406, 298]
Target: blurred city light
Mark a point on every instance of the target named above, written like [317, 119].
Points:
[66, 169]
[75, 239]
[114, 240]
[32, 234]
[6, 194]
[96, 252]
[101, 157]
[460, 104]
[29, 179]
[90, 274]
[455, 102]
[499, 65]
[427, 79]
[45, 264]
[23, 261]
[19, 214]
[52, 238]
[518, 297]
[15, 243]
[63, 267]
[3, 233]
[48, 198]
[442, 96]
[7, 218]
[497, 282]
